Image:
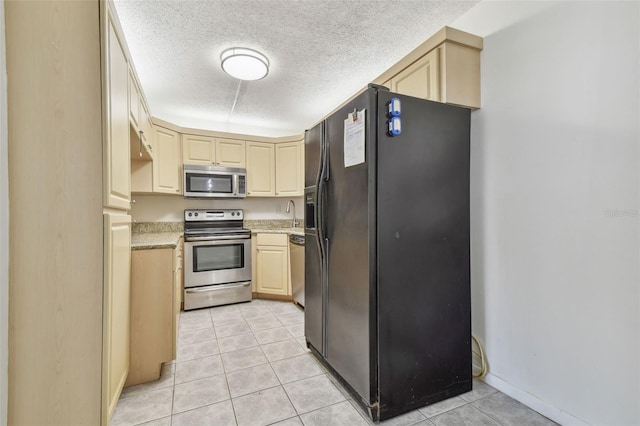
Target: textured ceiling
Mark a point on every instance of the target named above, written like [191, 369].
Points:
[321, 53]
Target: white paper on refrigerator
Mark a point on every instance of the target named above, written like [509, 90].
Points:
[354, 139]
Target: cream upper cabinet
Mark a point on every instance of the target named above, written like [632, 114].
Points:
[117, 307]
[272, 264]
[167, 167]
[140, 120]
[116, 169]
[213, 151]
[421, 79]
[230, 153]
[142, 169]
[198, 150]
[260, 170]
[289, 169]
[445, 68]
[145, 132]
[134, 101]
[460, 75]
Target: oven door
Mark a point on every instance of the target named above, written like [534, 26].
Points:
[217, 261]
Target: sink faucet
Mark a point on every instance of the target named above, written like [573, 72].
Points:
[294, 223]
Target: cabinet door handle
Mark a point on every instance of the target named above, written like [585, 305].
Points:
[177, 190]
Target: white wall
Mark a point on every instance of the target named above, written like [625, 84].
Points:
[4, 228]
[170, 208]
[555, 188]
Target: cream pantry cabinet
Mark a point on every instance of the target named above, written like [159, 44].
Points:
[116, 309]
[272, 265]
[261, 177]
[289, 169]
[69, 339]
[167, 167]
[116, 168]
[213, 151]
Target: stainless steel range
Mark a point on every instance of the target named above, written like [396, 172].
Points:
[217, 268]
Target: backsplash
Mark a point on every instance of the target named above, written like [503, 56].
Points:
[170, 208]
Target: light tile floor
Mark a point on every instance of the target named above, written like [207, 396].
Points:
[247, 364]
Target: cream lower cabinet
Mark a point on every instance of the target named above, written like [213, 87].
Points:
[156, 283]
[261, 177]
[289, 169]
[116, 309]
[272, 264]
[178, 291]
[167, 167]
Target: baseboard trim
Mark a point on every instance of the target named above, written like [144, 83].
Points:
[272, 297]
[533, 402]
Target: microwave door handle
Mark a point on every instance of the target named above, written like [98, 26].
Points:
[235, 185]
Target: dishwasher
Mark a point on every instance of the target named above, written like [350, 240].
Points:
[296, 254]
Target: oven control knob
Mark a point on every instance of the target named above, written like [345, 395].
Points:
[233, 213]
[190, 214]
[196, 213]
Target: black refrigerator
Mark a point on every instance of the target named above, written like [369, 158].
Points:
[387, 250]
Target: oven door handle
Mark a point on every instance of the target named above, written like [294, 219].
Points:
[216, 287]
[220, 237]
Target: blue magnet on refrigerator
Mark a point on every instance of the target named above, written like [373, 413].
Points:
[395, 126]
[393, 108]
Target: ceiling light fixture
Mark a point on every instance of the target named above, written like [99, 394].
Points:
[244, 64]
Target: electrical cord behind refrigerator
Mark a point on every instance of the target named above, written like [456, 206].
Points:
[483, 360]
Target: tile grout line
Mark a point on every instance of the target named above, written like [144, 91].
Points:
[219, 354]
[486, 414]
[283, 389]
[483, 412]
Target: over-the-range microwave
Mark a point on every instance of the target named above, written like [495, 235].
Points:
[214, 182]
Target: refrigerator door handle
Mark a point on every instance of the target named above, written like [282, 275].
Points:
[325, 155]
[325, 296]
[321, 233]
[320, 197]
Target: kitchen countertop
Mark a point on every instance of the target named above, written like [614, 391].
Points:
[274, 226]
[158, 235]
[155, 240]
